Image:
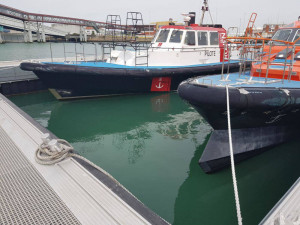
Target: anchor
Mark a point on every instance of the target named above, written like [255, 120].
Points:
[159, 85]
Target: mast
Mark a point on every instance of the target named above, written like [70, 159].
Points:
[204, 9]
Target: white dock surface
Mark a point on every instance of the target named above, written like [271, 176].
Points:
[64, 193]
[287, 210]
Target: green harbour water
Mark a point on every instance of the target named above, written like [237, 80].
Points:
[152, 143]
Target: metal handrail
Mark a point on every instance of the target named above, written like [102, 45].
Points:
[250, 47]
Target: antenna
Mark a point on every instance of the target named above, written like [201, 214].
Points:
[204, 9]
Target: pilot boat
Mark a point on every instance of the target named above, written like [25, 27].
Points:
[264, 102]
[175, 54]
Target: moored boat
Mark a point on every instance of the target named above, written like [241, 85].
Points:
[264, 102]
[175, 54]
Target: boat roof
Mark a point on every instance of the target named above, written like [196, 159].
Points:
[192, 27]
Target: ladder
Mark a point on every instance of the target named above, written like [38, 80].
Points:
[249, 29]
[113, 34]
[134, 27]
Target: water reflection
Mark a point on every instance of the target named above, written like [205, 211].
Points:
[86, 119]
[262, 181]
[180, 126]
[128, 120]
[133, 141]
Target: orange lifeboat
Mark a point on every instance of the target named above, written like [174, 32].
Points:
[280, 59]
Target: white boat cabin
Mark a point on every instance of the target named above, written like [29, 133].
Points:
[178, 46]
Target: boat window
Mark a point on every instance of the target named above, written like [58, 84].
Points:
[163, 36]
[190, 38]
[297, 36]
[156, 35]
[202, 38]
[214, 38]
[282, 35]
[176, 36]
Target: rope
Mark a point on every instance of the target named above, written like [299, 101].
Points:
[236, 195]
[47, 155]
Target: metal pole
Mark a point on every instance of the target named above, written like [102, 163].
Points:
[124, 50]
[228, 62]
[51, 52]
[102, 49]
[224, 51]
[96, 55]
[83, 52]
[38, 35]
[25, 32]
[65, 52]
[285, 61]
[242, 58]
[292, 64]
[203, 12]
[268, 62]
[29, 33]
[261, 59]
[76, 52]
[43, 33]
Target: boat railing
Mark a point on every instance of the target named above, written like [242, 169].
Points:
[185, 49]
[260, 51]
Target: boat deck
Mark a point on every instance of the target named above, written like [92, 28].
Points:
[119, 66]
[287, 210]
[245, 80]
[68, 192]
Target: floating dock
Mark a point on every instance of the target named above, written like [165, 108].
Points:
[72, 191]
[287, 210]
[14, 81]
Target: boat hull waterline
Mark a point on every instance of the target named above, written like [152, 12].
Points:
[79, 81]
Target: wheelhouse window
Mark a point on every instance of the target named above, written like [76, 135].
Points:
[282, 35]
[163, 36]
[190, 38]
[214, 38]
[176, 36]
[297, 36]
[155, 37]
[202, 38]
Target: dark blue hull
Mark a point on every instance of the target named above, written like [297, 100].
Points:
[73, 81]
[261, 117]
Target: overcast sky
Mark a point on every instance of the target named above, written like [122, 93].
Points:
[227, 12]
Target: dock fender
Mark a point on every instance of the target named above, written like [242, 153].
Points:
[28, 66]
